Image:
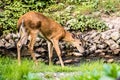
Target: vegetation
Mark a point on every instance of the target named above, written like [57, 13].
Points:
[63, 11]
[96, 70]
[73, 14]
[13, 9]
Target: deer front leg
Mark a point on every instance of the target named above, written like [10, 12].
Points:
[56, 46]
[50, 51]
[23, 40]
[31, 46]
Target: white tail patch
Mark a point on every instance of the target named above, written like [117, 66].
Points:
[22, 32]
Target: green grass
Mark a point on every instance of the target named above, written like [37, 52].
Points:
[96, 70]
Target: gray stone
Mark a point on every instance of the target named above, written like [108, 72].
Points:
[9, 36]
[40, 50]
[11, 41]
[2, 43]
[118, 41]
[98, 51]
[110, 60]
[102, 54]
[116, 51]
[114, 46]
[93, 47]
[94, 34]
[76, 54]
[109, 42]
[115, 35]
[105, 36]
[101, 46]
[10, 44]
[15, 36]
[7, 45]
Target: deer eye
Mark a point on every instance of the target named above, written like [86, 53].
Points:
[80, 43]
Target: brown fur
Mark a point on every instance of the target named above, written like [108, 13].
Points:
[35, 23]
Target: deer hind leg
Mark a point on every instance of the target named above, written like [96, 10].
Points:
[23, 40]
[50, 51]
[31, 46]
[56, 46]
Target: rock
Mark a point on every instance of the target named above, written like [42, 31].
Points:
[37, 55]
[86, 38]
[11, 41]
[104, 43]
[68, 61]
[115, 35]
[116, 51]
[105, 36]
[16, 40]
[40, 50]
[110, 60]
[101, 46]
[76, 54]
[7, 45]
[2, 43]
[108, 56]
[109, 42]
[4, 40]
[38, 39]
[112, 22]
[114, 46]
[57, 62]
[102, 54]
[15, 36]
[97, 39]
[98, 51]
[94, 34]
[92, 55]
[93, 47]
[118, 41]
[9, 36]
[37, 44]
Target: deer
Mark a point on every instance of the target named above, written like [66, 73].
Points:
[35, 23]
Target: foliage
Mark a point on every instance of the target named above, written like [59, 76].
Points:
[96, 70]
[14, 9]
[83, 23]
[64, 11]
[109, 6]
[78, 22]
[109, 72]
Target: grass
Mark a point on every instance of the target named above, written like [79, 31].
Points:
[9, 70]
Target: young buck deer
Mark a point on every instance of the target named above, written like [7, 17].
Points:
[33, 24]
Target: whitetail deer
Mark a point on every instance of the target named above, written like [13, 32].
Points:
[34, 23]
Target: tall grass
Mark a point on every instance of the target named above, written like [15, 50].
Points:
[10, 70]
